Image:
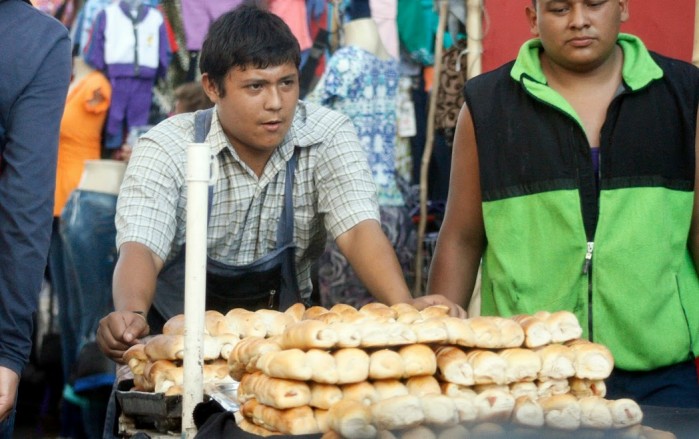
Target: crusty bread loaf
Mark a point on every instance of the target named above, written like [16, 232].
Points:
[423, 385]
[453, 366]
[522, 364]
[439, 409]
[399, 412]
[274, 392]
[488, 367]
[288, 364]
[418, 359]
[323, 396]
[389, 388]
[323, 366]
[363, 392]
[595, 413]
[528, 412]
[295, 420]
[351, 420]
[556, 362]
[561, 411]
[625, 412]
[385, 364]
[536, 331]
[308, 334]
[352, 365]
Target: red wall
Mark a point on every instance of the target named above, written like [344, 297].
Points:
[666, 27]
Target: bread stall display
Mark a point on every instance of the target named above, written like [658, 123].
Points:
[382, 371]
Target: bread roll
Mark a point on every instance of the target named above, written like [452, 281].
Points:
[296, 311]
[524, 388]
[322, 420]
[561, 411]
[275, 322]
[348, 334]
[323, 366]
[453, 366]
[528, 412]
[227, 343]
[439, 409]
[174, 391]
[466, 408]
[486, 332]
[243, 358]
[362, 392]
[165, 347]
[556, 362]
[453, 432]
[385, 364]
[511, 333]
[522, 364]
[141, 383]
[430, 331]
[595, 413]
[174, 325]
[625, 412]
[386, 333]
[434, 311]
[296, 420]
[216, 372]
[418, 432]
[536, 331]
[351, 419]
[494, 405]
[308, 334]
[488, 367]
[344, 309]
[399, 412]
[584, 387]
[290, 364]
[250, 427]
[135, 357]
[389, 388]
[313, 312]
[243, 322]
[379, 312]
[592, 360]
[406, 313]
[564, 326]
[328, 317]
[164, 374]
[274, 392]
[547, 388]
[423, 385]
[459, 332]
[352, 365]
[457, 390]
[212, 322]
[418, 359]
[323, 396]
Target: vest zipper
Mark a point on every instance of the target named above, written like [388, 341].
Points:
[270, 303]
[587, 270]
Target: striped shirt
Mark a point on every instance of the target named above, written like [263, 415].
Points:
[333, 191]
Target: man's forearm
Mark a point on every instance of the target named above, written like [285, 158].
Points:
[135, 277]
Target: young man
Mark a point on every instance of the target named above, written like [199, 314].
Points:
[35, 72]
[574, 179]
[286, 173]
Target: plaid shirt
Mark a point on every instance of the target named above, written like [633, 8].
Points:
[333, 191]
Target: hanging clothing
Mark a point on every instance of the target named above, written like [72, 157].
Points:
[197, 16]
[385, 13]
[364, 87]
[82, 28]
[294, 14]
[81, 133]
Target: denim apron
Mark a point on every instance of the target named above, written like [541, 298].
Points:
[269, 282]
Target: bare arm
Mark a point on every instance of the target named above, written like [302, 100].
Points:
[9, 381]
[462, 237]
[373, 259]
[134, 283]
[694, 230]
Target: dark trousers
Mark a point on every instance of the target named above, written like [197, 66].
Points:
[672, 386]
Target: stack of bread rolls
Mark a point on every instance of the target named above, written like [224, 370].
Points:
[361, 373]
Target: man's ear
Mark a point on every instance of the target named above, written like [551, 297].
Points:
[210, 88]
[624, 5]
[532, 18]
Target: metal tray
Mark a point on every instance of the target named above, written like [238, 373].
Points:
[147, 409]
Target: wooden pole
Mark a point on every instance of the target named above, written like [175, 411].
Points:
[427, 153]
[474, 33]
[695, 55]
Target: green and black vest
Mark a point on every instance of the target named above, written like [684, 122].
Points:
[617, 257]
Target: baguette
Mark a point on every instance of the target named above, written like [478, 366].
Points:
[212, 321]
[243, 322]
[457, 390]
[547, 388]
[174, 325]
[563, 325]
[379, 312]
[406, 313]
[275, 322]
[434, 311]
[252, 428]
[296, 311]
[524, 388]
[348, 334]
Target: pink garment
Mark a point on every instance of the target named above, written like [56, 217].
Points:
[385, 13]
[197, 16]
[294, 14]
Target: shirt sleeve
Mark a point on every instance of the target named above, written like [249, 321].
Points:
[346, 189]
[27, 183]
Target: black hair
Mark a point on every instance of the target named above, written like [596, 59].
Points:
[246, 36]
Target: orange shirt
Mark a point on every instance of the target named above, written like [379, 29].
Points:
[81, 133]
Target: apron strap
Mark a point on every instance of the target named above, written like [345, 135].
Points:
[285, 230]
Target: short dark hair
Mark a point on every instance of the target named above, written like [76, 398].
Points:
[246, 36]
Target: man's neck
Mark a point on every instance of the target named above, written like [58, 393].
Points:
[561, 77]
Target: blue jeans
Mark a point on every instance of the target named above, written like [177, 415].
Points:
[7, 426]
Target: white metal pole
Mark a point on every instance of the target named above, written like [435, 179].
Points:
[198, 174]
[474, 31]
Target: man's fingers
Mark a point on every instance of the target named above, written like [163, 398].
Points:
[136, 328]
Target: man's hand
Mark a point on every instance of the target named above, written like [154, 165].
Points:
[119, 331]
[437, 299]
[9, 381]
